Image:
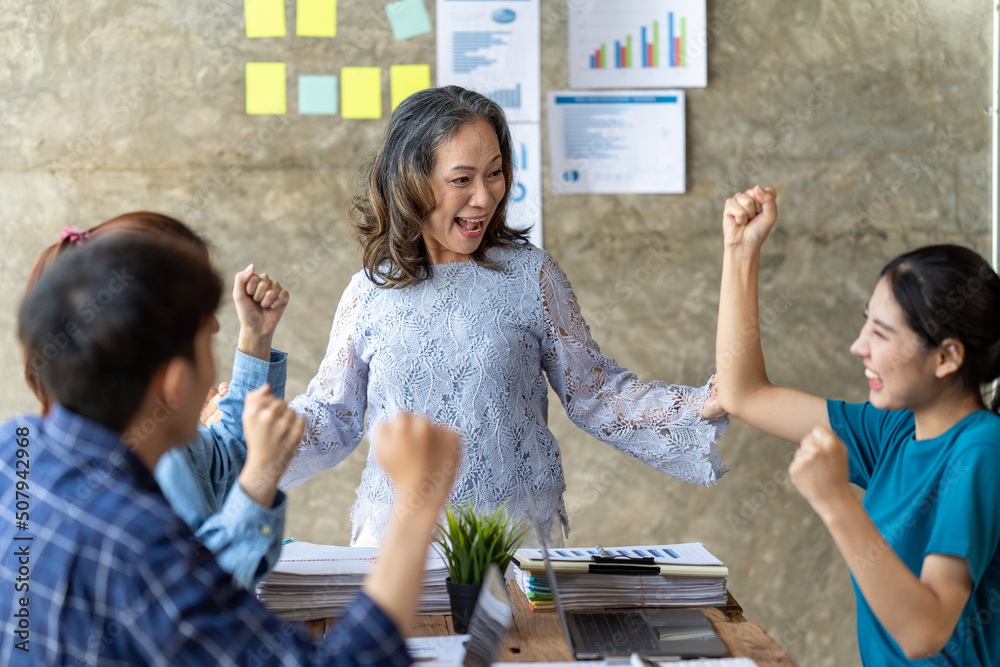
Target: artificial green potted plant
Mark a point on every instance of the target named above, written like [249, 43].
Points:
[469, 541]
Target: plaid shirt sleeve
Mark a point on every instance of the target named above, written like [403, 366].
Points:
[188, 613]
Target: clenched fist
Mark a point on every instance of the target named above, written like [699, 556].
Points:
[420, 458]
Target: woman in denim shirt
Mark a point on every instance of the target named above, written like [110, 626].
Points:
[241, 523]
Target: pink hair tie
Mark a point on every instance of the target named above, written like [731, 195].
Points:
[74, 236]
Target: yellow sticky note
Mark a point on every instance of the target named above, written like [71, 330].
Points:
[361, 92]
[404, 80]
[265, 18]
[316, 18]
[266, 88]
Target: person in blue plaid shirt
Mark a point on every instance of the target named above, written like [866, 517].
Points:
[97, 568]
[225, 493]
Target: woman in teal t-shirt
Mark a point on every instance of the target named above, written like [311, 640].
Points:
[923, 545]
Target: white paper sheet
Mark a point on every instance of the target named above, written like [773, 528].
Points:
[627, 141]
[493, 48]
[524, 208]
[443, 651]
[319, 581]
[707, 662]
[324, 559]
[688, 553]
[637, 44]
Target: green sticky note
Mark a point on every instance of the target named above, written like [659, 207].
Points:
[316, 18]
[404, 80]
[317, 94]
[265, 18]
[361, 92]
[266, 88]
[408, 18]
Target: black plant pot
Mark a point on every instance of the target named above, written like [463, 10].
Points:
[463, 601]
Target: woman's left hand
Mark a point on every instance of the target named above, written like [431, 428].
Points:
[819, 470]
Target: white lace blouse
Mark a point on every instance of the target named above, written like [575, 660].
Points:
[471, 348]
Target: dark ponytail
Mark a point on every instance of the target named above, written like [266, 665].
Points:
[948, 291]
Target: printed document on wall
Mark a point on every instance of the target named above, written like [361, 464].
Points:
[638, 44]
[524, 207]
[628, 141]
[493, 47]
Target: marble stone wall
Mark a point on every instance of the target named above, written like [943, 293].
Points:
[866, 116]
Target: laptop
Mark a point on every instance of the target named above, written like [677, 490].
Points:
[654, 633]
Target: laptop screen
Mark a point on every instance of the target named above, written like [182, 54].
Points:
[543, 544]
[707, 642]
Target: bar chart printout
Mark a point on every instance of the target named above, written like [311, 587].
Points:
[629, 141]
[637, 43]
[493, 47]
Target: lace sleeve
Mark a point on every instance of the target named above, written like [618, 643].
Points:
[334, 403]
[655, 423]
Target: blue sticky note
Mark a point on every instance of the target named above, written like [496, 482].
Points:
[408, 18]
[317, 94]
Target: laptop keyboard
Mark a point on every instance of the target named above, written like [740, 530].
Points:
[611, 633]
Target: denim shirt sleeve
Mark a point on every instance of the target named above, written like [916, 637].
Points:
[200, 481]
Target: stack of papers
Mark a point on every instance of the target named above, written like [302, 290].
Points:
[313, 581]
[672, 575]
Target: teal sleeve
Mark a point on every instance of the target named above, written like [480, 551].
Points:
[967, 513]
[865, 431]
[852, 425]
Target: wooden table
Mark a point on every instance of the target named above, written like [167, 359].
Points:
[539, 637]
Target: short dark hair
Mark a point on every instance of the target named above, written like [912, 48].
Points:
[154, 225]
[395, 195]
[101, 321]
[947, 291]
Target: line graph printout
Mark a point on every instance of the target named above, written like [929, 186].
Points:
[626, 141]
[493, 47]
[637, 44]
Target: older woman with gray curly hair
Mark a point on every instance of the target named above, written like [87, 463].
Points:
[457, 317]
